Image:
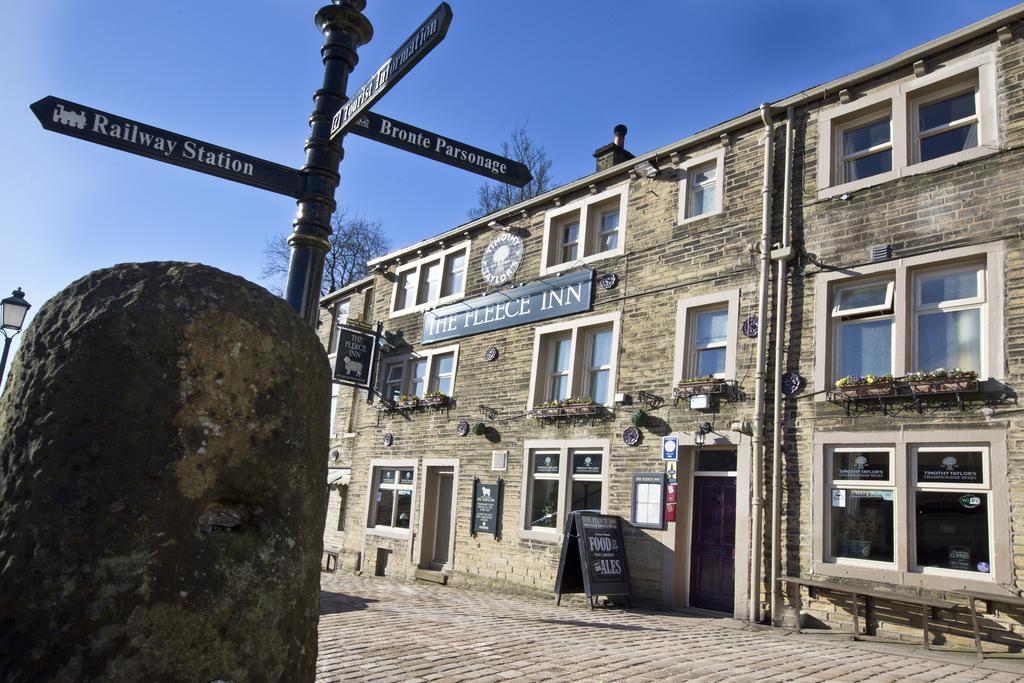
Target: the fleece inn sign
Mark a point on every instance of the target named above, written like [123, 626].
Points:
[76, 120]
[550, 298]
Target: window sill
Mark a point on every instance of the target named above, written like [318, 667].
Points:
[399, 534]
[559, 268]
[430, 305]
[534, 535]
[700, 217]
[929, 166]
[951, 581]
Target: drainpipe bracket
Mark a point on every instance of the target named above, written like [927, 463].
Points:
[783, 253]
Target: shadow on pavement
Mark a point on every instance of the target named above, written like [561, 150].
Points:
[596, 624]
[336, 603]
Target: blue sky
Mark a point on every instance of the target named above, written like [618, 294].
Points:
[241, 74]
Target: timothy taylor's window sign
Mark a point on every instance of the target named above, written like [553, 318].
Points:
[552, 298]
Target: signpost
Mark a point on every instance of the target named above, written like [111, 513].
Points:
[415, 48]
[484, 518]
[86, 123]
[440, 148]
[593, 559]
[344, 28]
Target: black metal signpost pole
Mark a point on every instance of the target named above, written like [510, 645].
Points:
[345, 29]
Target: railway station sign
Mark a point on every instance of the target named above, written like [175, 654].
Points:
[415, 48]
[110, 130]
[563, 295]
[440, 148]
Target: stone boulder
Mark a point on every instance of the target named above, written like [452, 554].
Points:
[163, 441]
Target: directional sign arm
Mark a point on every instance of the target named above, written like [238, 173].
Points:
[110, 130]
[440, 148]
[423, 40]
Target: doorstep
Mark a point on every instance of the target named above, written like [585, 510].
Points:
[431, 576]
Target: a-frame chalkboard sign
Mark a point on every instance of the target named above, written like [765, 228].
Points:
[593, 558]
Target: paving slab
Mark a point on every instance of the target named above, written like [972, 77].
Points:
[378, 629]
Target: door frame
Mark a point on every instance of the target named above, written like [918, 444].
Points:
[422, 549]
[678, 535]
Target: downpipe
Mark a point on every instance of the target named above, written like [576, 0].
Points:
[781, 257]
[757, 441]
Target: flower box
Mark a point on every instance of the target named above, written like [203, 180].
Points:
[406, 403]
[434, 401]
[548, 411]
[580, 409]
[867, 390]
[692, 388]
[385, 406]
[942, 386]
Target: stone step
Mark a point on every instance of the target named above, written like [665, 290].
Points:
[432, 576]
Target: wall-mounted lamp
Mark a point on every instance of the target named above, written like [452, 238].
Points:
[700, 402]
[698, 436]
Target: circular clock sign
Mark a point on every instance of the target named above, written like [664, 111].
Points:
[502, 258]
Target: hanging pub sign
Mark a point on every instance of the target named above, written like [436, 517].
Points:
[593, 559]
[486, 508]
[552, 298]
[356, 357]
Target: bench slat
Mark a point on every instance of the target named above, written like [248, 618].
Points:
[881, 595]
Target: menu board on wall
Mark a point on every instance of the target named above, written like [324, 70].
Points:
[486, 508]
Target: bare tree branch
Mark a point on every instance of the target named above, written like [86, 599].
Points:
[354, 241]
[492, 197]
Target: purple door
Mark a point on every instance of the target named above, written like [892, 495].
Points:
[713, 546]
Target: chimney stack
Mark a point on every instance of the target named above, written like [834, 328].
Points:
[614, 153]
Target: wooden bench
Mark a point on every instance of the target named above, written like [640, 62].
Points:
[972, 598]
[331, 553]
[926, 604]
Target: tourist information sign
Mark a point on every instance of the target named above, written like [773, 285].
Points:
[76, 120]
[415, 48]
[440, 148]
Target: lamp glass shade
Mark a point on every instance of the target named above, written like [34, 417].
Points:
[698, 438]
[14, 310]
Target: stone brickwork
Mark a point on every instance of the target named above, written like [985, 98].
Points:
[975, 204]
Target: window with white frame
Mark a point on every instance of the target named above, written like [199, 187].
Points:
[341, 310]
[949, 304]
[709, 343]
[944, 491]
[431, 280]
[563, 477]
[915, 125]
[706, 330]
[584, 230]
[392, 490]
[915, 315]
[951, 508]
[335, 391]
[862, 314]
[945, 122]
[864, 146]
[862, 491]
[700, 186]
[575, 359]
[416, 374]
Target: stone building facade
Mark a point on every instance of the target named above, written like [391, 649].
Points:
[869, 226]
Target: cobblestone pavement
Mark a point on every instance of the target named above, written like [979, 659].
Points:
[383, 630]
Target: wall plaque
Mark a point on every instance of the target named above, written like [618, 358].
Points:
[563, 295]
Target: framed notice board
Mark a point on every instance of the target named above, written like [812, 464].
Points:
[648, 509]
[593, 559]
[485, 517]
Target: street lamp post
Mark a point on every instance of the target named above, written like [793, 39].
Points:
[14, 309]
